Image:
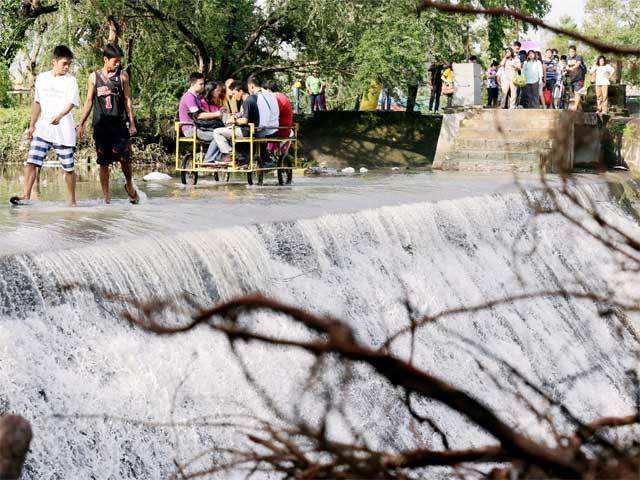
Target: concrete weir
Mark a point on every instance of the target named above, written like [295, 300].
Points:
[517, 140]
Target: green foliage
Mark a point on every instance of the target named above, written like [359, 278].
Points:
[11, 28]
[13, 124]
[501, 30]
[391, 59]
[561, 42]
[496, 34]
[615, 21]
[352, 42]
[5, 85]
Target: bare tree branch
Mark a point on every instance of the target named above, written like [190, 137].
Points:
[340, 340]
[504, 12]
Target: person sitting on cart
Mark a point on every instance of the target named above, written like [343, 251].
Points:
[194, 108]
[285, 119]
[259, 107]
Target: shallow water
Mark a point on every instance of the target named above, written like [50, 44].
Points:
[171, 207]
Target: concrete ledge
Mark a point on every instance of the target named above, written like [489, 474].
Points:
[371, 139]
[448, 134]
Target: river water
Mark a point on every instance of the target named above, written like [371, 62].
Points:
[353, 247]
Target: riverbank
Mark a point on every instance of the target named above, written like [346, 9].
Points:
[147, 148]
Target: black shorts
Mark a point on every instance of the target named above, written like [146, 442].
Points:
[111, 149]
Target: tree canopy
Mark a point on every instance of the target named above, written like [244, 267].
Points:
[351, 42]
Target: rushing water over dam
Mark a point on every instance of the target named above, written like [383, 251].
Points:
[67, 352]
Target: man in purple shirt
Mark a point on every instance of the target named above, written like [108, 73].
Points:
[193, 106]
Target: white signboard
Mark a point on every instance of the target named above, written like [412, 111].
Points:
[468, 82]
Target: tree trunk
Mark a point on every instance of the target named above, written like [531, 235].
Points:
[412, 93]
[230, 38]
[33, 55]
[129, 54]
[468, 41]
[114, 30]
[617, 75]
[15, 437]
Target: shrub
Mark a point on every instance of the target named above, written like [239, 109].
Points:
[13, 123]
[5, 85]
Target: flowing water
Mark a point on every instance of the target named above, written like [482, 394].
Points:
[353, 247]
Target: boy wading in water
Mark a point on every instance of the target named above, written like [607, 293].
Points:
[109, 95]
[51, 125]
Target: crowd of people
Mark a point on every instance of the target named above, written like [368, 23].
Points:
[219, 110]
[529, 79]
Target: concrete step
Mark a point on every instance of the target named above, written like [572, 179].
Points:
[502, 156]
[517, 115]
[506, 132]
[535, 123]
[514, 163]
[506, 143]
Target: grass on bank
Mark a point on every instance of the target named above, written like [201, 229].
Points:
[14, 145]
[13, 125]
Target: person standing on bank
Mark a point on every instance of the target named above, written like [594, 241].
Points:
[51, 125]
[109, 95]
[493, 89]
[602, 72]
[313, 85]
[510, 65]
[435, 70]
[576, 69]
[448, 83]
[550, 74]
[532, 71]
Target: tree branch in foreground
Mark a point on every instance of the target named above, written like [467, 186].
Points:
[335, 337]
[504, 12]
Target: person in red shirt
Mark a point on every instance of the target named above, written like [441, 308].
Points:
[286, 110]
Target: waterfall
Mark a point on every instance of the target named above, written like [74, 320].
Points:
[66, 352]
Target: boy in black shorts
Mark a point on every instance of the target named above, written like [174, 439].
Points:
[109, 95]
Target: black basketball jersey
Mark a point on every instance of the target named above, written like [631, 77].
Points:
[108, 102]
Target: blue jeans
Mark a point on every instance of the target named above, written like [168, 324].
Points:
[384, 102]
[220, 144]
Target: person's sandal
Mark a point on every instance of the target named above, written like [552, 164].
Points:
[134, 200]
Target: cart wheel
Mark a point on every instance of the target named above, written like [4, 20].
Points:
[189, 178]
[216, 177]
[286, 162]
[260, 178]
[250, 178]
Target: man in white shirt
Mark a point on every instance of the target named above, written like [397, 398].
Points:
[51, 125]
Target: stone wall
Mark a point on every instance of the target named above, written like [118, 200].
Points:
[630, 145]
[517, 140]
[505, 140]
[369, 139]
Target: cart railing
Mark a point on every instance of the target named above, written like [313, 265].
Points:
[255, 143]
